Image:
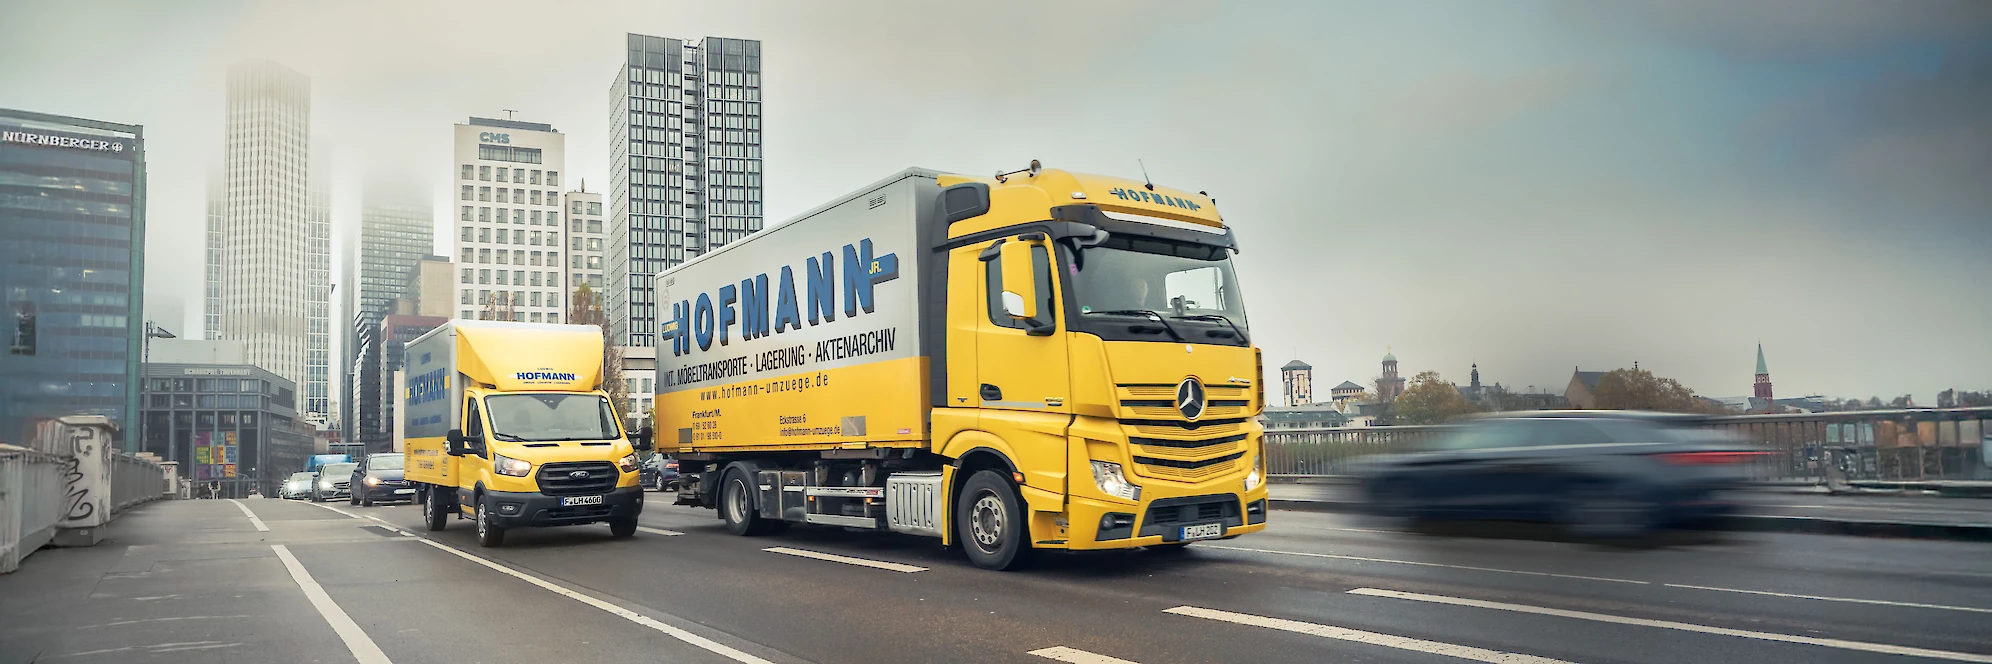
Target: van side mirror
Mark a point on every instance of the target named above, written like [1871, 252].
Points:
[1019, 280]
[455, 439]
[641, 440]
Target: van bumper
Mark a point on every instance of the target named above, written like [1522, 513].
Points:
[533, 509]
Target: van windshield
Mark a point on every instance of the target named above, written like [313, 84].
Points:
[551, 417]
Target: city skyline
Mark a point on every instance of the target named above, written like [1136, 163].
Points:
[1753, 198]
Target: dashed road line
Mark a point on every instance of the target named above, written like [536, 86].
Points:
[1364, 559]
[862, 562]
[1360, 636]
[658, 531]
[1076, 656]
[1853, 600]
[258, 523]
[357, 641]
[1842, 644]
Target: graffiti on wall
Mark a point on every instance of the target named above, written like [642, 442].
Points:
[84, 443]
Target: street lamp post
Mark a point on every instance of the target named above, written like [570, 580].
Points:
[152, 331]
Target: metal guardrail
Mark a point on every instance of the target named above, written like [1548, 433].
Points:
[31, 497]
[1918, 444]
[67, 486]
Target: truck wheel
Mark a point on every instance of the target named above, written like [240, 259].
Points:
[434, 513]
[488, 534]
[736, 507]
[991, 522]
[624, 527]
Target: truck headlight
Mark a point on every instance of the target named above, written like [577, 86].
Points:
[1254, 478]
[505, 465]
[628, 463]
[1108, 476]
[373, 481]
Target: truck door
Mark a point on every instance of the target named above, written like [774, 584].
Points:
[1025, 382]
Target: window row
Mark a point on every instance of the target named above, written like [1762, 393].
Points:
[505, 257]
[518, 236]
[512, 175]
[511, 298]
[518, 216]
[519, 316]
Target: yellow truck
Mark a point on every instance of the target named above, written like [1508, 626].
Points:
[1038, 360]
[507, 425]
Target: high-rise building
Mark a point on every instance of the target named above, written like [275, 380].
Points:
[396, 232]
[72, 231]
[271, 272]
[685, 163]
[508, 244]
[585, 240]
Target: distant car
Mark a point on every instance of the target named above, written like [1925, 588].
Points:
[332, 481]
[1601, 473]
[296, 487]
[659, 473]
[378, 480]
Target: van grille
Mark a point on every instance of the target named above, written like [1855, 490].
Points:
[555, 480]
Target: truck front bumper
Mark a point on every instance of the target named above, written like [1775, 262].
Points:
[532, 509]
[1100, 524]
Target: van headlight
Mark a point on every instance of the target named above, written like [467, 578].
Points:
[327, 484]
[1108, 476]
[628, 463]
[1254, 478]
[505, 465]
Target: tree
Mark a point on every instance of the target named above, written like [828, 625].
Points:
[584, 309]
[1874, 403]
[1639, 389]
[1904, 401]
[1429, 399]
[1974, 399]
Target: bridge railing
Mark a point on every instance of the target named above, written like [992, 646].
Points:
[68, 485]
[1917, 444]
[31, 497]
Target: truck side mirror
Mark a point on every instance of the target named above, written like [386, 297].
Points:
[455, 439]
[641, 440]
[1019, 280]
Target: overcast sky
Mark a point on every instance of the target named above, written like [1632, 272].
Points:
[1529, 186]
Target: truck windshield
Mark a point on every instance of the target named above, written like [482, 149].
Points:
[550, 417]
[1192, 286]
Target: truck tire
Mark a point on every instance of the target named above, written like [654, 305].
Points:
[623, 527]
[991, 523]
[435, 513]
[489, 535]
[737, 508]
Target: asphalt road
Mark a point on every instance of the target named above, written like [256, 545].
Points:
[1781, 503]
[196, 581]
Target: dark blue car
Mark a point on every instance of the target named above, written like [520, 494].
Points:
[659, 473]
[1602, 473]
[378, 480]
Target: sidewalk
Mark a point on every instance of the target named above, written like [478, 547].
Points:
[1817, 512]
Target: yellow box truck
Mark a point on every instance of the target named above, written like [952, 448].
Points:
[1039, 360]
[507, 425]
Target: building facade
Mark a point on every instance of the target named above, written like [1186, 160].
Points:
[508, 240]
[586, 241]
[396, 232]
[685, 163]
[1389, 386]
[236, 425]
[639, 373]
[72, 231]
[431, 285]
[1298, 378]
[269, 255]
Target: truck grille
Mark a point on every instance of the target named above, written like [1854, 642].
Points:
[554, 479]
[1187, 444]
[1180, 469]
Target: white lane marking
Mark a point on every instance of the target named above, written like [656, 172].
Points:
[1422, 564]
[1854, 600]
[356, 639]
[1076, 656]
[258, 523]
[715, 647]
[896, 567]
[335, 509]
[1842, 644]
[1360, 636]
[658, 531]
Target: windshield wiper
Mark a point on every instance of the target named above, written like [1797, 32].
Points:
[509, 438]
[1147, 313]
[1227, 321]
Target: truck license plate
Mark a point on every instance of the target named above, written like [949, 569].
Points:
[403, 492]
[570, 501]
[1203, 531]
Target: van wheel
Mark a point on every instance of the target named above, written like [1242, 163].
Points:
[435, 514]
[488, 534]
[736, 507]
[990, 521]
[624, 527]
